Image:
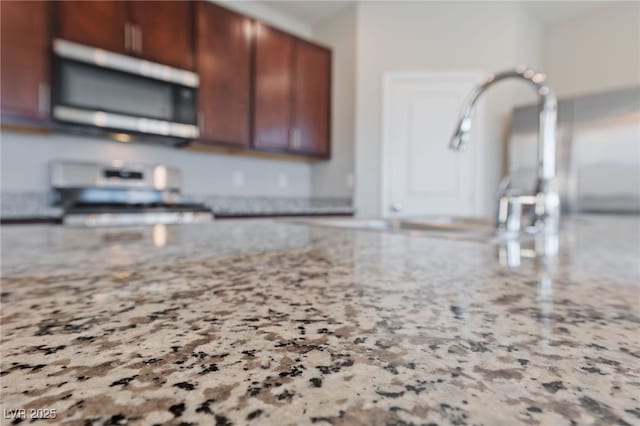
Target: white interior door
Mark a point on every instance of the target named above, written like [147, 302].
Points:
[421, 175]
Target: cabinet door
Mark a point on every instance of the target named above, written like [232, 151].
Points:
[163, 31]
[223, 59]
[273, 88]
[24, 53]
[99, 23]
[312, 96]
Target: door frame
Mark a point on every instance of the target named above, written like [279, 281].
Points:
[393, 77]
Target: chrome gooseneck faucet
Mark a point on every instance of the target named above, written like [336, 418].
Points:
[544, 204]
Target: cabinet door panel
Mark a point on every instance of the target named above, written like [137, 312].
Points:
[223, 56]
[273, 85]
[99, 23]
[312, 72]
[164, 31]
[24, 58]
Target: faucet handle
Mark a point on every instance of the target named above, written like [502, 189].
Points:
[509, 214]
[510, 210]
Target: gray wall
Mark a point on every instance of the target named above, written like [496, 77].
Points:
[594, 51]
[24, 159]
[334, 178]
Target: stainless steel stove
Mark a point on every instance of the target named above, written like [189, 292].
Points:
[119, 194]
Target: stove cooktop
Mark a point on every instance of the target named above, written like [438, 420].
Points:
[94, 215]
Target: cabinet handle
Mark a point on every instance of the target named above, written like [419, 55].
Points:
[134, 39]
[296, 138]
[201, 122]
[292, 137]
[43, 98]
[127, 36]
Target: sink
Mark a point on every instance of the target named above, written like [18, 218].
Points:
[467, 228]
[511, 249]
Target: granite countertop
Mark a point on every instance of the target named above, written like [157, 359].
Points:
[36, 206]
[226, 206]
[28, 206]
[270, 322]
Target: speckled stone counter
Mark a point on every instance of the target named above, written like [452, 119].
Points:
[222, 206]
[268, 322]
[36, 206]
[28, 205]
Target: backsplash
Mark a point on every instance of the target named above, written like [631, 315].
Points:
[36, 205]
[27, 205]
[25, 159]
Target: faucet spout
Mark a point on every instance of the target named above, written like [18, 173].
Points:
[547, 204]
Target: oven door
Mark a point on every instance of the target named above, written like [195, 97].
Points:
[118, 93]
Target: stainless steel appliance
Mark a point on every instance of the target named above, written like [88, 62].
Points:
[598, 153]
[100, 91]
[117, 194]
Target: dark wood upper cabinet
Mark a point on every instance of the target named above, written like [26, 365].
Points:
[24, 60]
[292, 94]
[273, 88]
[223, 61]
[261, 89]
[99, 23]
[162, 31]
[312, 89]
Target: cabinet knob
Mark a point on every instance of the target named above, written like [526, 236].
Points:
[395, 207]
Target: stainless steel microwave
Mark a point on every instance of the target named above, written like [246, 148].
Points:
[103, 91]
